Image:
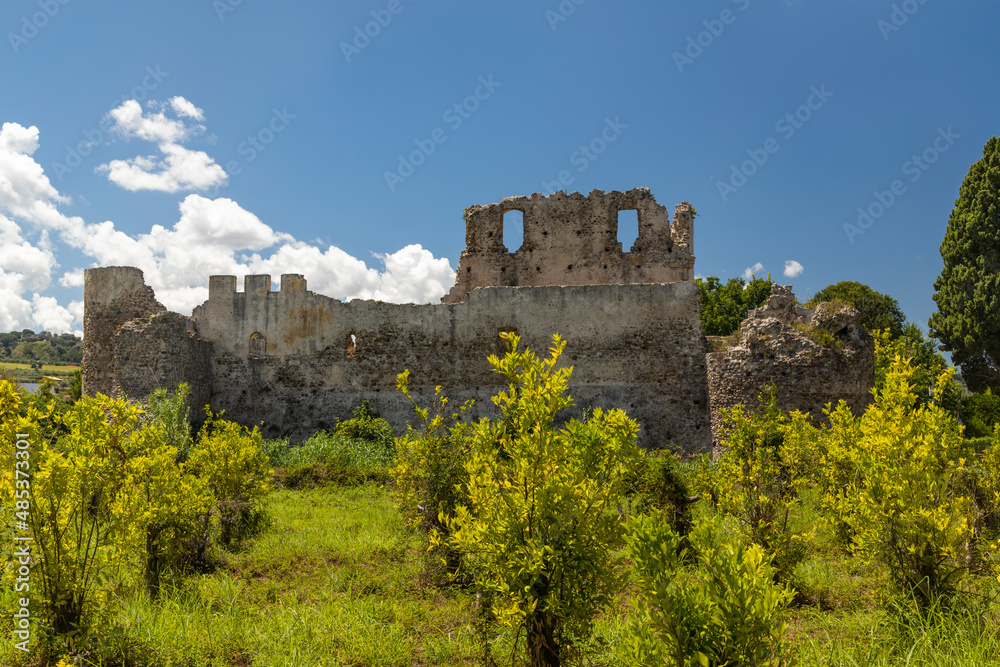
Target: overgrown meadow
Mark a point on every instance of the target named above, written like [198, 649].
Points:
[523, 540]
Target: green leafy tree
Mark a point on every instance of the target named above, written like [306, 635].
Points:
[76, 385]
[967, 292]
[981, 412]
[161, 503]
[878, 311]
[367, 425]
[540, 528]
[654, 484]
[430, 473]
[77, 479]
[169, 411]
[724, 307]
[926, 362]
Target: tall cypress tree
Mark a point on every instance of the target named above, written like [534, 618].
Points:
[967, 292]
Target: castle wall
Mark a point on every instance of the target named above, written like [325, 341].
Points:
[572, 239]
[300, 361]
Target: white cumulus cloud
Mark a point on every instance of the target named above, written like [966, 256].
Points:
[48, 315]
[184, 108]
[26, 196]
[25, 191]
[177, 168]
[752, 271]
[209, 237]
[793, 269]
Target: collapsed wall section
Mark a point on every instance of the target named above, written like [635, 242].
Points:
[163, 352]
[572, 239]
[813, 357]
[299, 361]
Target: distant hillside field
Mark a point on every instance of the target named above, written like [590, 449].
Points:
[28, 347]
[26, 356]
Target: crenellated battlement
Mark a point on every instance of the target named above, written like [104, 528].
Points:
[572, 239]
[300, 361]
[224, 287]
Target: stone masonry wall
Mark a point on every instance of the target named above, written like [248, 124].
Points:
[162, 352]
[296, 362]
[573, 240]
[775, 346]
[299, 361]
[112, 296]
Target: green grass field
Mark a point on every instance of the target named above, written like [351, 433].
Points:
[337, 579]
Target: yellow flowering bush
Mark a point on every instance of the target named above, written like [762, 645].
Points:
[896, 480]
[539, 528]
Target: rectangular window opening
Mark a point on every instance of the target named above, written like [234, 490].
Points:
[513, 230]
[628, 229]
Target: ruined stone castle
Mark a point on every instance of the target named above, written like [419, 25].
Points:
[298, 362]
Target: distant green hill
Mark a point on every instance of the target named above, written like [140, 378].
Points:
[28, 347]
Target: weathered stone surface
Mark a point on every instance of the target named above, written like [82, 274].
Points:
[296, 361]
[775, 346]
[112, 296]
[162, 351]
[835, 316]
[572, 239]
[637, 347]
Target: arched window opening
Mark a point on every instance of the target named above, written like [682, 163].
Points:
[352, 346]
[628, 228]
[258, 346]
[513, 230]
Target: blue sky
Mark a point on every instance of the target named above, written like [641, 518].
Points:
[194, 137]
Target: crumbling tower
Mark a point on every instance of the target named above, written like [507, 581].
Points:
[572, 239]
